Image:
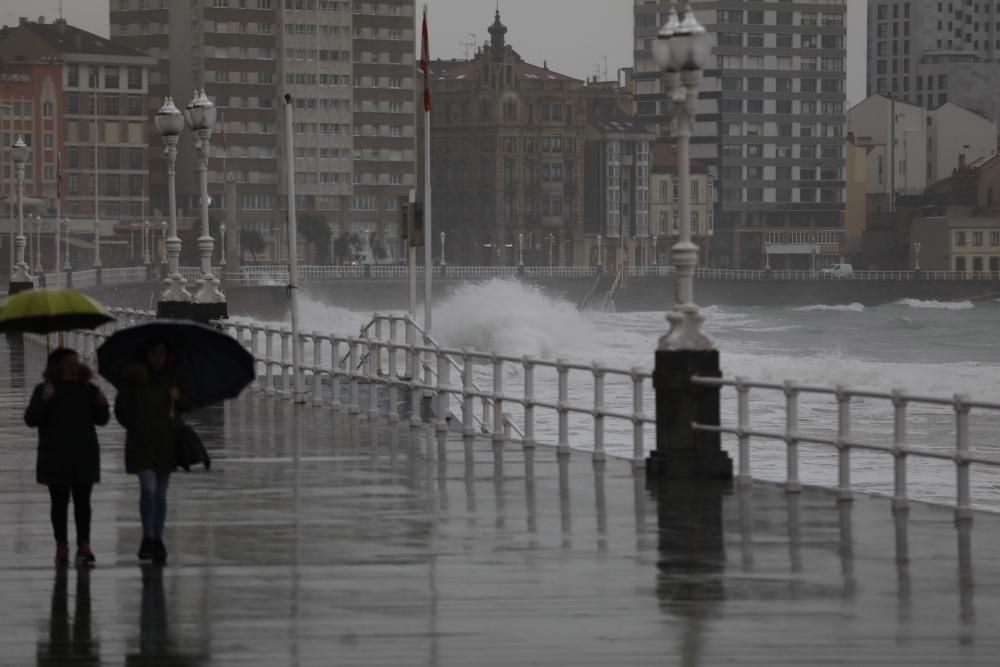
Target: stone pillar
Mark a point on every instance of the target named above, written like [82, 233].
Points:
[681, 452]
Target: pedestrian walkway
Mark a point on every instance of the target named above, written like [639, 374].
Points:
[318, 539]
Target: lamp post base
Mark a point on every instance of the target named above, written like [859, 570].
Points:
[204, 313]
[20, 286]
[173, 310]
[681, 452]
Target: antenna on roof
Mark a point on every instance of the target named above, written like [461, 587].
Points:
[60, 8]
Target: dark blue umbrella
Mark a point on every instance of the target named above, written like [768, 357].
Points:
[210, 365]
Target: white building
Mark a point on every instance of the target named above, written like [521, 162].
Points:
[928, 146]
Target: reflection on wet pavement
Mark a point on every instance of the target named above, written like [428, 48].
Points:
[321, 539]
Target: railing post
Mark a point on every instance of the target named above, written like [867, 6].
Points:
[373, 375]
[269, 362]
[598, 412]
[844, 491]
[744, 477]
[498, 431]
[335, 374]
[529, 403]
[393, 377]
[254, 332]
[377, 319]
[443, 392]
[899, 498]
[317, 364]
[963, 511]
[792, 485]
[286, 389]
[468, 400]
[353, 407]
[638, 425]
[416, 393]
[563, 403]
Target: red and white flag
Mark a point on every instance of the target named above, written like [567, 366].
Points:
[425, 63]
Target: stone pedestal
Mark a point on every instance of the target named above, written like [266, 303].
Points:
[18, 287]
[204, 313]
[173, 310]
[681, 452]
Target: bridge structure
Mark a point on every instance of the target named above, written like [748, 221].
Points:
[425, 505]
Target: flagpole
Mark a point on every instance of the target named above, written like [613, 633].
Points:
[428, 235]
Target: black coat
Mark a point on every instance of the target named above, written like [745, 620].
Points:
[143, 407]
[68, 450]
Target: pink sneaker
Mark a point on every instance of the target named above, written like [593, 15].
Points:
[62, 554]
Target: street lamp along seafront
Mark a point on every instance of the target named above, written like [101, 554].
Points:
[175, 298]
[682, 49]
[208, 302]
[20, 278]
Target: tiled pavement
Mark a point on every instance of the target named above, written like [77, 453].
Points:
[317, 540]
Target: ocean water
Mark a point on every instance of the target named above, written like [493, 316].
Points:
[925, 348]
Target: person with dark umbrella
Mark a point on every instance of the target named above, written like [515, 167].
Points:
[65, 409]
[148, 402]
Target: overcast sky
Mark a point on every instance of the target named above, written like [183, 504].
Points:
[574, 36]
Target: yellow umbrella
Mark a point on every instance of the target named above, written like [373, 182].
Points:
[46, 310]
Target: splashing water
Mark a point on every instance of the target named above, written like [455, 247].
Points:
[936, 305]
[848, 308]
[512, 318]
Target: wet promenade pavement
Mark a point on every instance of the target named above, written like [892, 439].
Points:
[316, 540]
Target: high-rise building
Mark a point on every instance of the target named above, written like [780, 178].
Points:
[770, 125]
[347, 65]
[929, 52]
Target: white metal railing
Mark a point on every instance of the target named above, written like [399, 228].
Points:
[385, 363]
[118, 276]
[844, 441]
[85, 278]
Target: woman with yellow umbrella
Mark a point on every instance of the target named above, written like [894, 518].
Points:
[66, 409]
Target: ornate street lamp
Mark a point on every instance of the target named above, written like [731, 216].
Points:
[163, 251]
[916, 256]
[67, 266]
[200, 115]
[552, 240]
[19, 152]
[222, 243]
[169, 123]
[443, 262]
[682, 50]
[520, 250]
[37, 254]
[147, 242]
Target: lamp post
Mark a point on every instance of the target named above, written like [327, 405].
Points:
[682, 50]
[67, 266]
[169, 123]
[163, 239]
[443, 237]
[146, 243]
[520, 250]
[222, 249]
[551, 239]
[20, 279]
[37, 270]
[767, 256]
[600, 252]
[916, 256]
[656, 250]
[200, 115]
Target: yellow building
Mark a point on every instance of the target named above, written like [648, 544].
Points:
[664, 207]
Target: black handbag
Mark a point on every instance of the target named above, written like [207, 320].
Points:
[188, 448]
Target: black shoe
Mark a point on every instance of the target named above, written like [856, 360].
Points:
[146, 549]
[159, 552]
[85, 557]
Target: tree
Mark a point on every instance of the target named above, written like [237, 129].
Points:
[342, 248]
[316, 230]
[379, 251]
[253, 241]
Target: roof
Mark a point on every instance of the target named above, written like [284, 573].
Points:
[664, 160]
[459, 70]
[65, 39]
[605, 116]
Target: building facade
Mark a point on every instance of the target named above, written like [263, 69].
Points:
[616, 186]
[507, 149]
[664, 215]
[928, 53]
[80, 102]
[349, 69]
[773, 106]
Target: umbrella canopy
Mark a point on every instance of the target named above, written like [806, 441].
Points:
[46, 310]
[210, 366]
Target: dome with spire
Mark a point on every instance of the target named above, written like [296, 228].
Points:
[498, 32]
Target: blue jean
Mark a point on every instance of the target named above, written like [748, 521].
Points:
[153, 502]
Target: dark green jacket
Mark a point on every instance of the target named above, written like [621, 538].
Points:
[143, 407]
[68, 450]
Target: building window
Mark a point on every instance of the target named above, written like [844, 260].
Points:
[111, 79]
[72, 76]
[960, 239]
[995, 239]
[135, 78]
